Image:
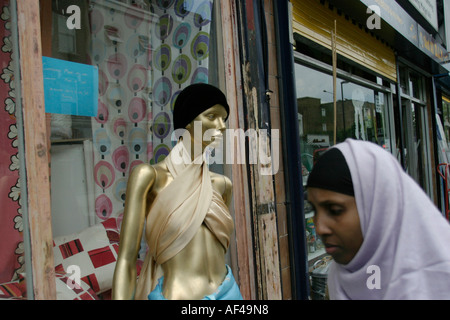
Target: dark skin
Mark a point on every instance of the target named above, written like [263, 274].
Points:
[336, 220]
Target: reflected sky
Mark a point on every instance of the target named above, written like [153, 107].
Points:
[312, 83]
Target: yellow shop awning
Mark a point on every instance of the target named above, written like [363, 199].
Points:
[315, 21]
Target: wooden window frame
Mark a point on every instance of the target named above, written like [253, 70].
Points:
[41, 279]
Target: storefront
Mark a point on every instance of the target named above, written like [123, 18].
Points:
[98, 84]
[130, 60]
[380, 88]
[365, 87]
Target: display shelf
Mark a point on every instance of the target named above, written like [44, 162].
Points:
[309, 214]
[316, 253]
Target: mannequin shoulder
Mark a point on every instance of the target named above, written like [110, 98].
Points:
[221, 183]
[143, 173]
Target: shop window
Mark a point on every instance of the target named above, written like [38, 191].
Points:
[416, 149]
[412, 83]
[404, 82]
[145, 53]
[67, 43]
[417, 86]
[362, 113]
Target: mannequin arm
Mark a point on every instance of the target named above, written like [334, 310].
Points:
[140, 182]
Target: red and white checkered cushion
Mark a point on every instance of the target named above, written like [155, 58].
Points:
[66, 290]
[94, 250]
[14, 289]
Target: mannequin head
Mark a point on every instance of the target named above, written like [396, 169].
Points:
[210, 126]
[194, 100]
[202, 110]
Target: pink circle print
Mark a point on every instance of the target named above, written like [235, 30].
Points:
[103, 207]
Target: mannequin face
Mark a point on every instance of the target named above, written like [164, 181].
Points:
[212, 126]
[336, 220]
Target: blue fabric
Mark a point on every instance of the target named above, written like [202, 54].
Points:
[228, 290]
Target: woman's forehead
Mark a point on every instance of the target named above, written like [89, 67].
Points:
[320, 195]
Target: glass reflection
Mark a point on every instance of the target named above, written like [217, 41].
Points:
[146, 52]
[360, 114]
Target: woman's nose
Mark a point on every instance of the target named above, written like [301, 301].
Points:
[321, 225]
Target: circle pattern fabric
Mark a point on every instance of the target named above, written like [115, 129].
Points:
[146, 54]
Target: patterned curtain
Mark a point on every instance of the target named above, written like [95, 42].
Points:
[146, 54]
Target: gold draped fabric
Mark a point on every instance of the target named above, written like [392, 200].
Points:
[177, 213]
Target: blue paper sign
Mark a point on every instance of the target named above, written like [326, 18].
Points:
[70, 88]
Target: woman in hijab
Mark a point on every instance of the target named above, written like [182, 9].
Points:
[386, 237]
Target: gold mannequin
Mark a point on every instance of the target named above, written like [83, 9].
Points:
[199, 268]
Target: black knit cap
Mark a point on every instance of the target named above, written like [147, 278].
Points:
[194, 100]
[331, 172]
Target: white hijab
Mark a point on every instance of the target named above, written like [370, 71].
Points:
[406, 249]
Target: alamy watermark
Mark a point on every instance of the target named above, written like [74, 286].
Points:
[374, 280]
[230, 147]
[74, 20]
[374, 20]
[74, 277]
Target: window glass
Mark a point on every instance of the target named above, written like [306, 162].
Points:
[416, 86]
[404, 83]
[414, 131]
[416, 149]
[145, 52]
[361, 114]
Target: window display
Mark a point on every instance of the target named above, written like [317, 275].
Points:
[138, 56]
[145, 53]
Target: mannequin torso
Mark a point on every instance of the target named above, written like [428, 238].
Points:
[199, 268]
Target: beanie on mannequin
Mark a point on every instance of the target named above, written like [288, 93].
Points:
[194, 100]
